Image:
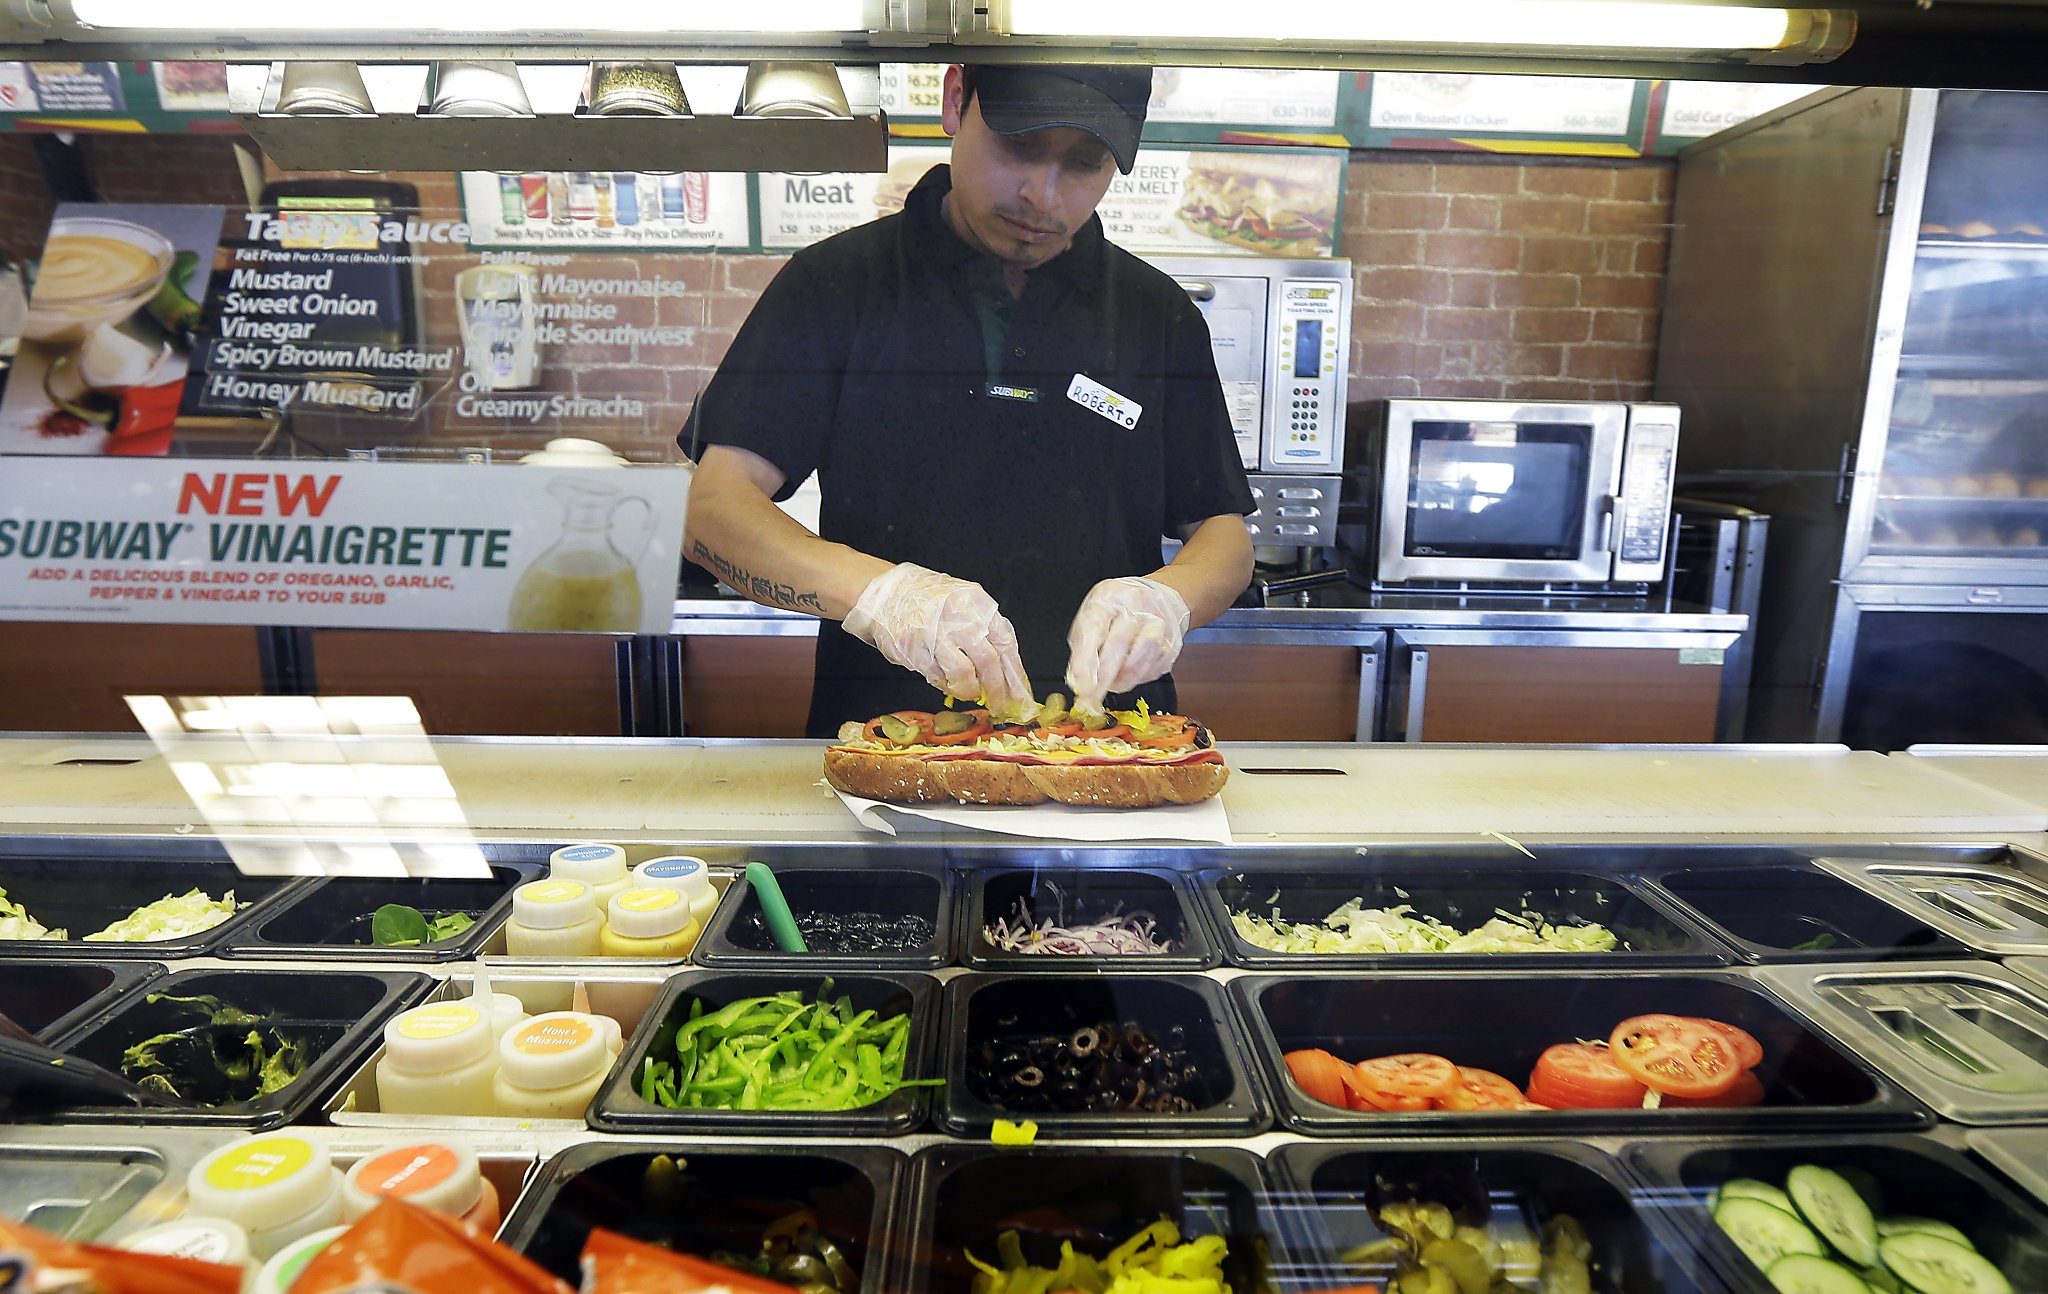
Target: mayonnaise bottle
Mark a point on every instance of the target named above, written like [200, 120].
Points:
[504, 1011]
[276, 1186]
[601, 867]
[442, 1175]
[553, 919]
[649, 922]
[551, 1066]
[682, 872]
[438, 1059]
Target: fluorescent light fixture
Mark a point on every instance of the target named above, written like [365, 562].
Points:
[393, 19]
[1598, 24]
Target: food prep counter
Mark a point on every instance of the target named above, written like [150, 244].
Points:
[1479, 953]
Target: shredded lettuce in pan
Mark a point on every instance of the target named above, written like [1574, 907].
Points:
[16, 923]
[1355, 928]
[172, 917]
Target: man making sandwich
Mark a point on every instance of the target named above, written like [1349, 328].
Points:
[1006, 414]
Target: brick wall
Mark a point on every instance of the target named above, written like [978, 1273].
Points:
[24, 204]
[1507, 278]
[1476, 276]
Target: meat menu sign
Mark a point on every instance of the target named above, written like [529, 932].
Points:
[363, 545]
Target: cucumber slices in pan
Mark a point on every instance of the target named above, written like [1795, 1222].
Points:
[1819, 1236]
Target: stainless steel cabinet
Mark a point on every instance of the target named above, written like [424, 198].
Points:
[1856, 325]
[1554, 686]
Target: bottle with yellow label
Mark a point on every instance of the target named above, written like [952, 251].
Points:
[682, 872]
[276, 1186]
[438, 1059]
[553, 919]
[651, 922]
[551, 1066]
[601, 867]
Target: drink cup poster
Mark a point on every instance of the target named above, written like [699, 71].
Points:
[361, 545]
[109, 333]
[678, 211]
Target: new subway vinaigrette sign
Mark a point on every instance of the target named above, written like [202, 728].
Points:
[367, 545]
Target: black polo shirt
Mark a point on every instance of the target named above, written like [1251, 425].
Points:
[864, 361]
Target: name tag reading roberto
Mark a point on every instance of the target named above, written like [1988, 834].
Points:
[1091, 394]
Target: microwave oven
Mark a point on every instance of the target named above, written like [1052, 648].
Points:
[1514, 492]
[1281, 334]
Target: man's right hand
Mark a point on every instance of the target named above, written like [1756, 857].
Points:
[949, 630]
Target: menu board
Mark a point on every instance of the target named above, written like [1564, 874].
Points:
[191, 87]
[1464, 102]
[1212, 202]
[1186, 202]
[676, 211]
[1243, 97]
[798, 209]
[77, 87]
[1696, 109]
[319, 308]
[913, 89]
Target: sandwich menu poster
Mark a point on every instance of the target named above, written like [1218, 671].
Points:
[1216, 202]
[1175, 202]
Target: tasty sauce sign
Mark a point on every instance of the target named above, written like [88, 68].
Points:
[364, 545]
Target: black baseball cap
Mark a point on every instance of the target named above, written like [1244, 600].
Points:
[1107, 102]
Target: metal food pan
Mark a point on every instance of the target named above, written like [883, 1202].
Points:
[1915, 1176]
[1970, 1038]
[619, 1107]
[51, 998]
[961, 1198]
[623, 995]
[1078, 895]
[2020, 1154]
[1993, 908]
[1795, 911]
[1505, 1186]
[1463, 893]
[82, 890]
[882, 882]
[335, 1014]
[986, 1013]
[95, 1184]
[1503, 1023]
[332, 918]
[720, 1199]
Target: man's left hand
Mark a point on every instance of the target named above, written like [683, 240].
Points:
[1128, 631]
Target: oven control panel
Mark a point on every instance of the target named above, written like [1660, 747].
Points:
[1309, 355]
[1643, 508]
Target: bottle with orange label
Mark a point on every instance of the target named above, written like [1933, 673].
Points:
[276, 1186]
[554, 919]
[438, 1059]
[650, 922]
[551, 1066]
[442, 1174]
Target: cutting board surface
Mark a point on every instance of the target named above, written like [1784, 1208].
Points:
[2022, 777]
[774, 790]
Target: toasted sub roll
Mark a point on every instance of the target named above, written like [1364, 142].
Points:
[910, 779]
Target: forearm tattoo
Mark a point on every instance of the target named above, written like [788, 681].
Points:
[757, 587]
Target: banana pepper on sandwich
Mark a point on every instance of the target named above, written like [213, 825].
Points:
[1054, 731]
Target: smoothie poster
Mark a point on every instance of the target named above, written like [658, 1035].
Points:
[109, 334]
[360, 545]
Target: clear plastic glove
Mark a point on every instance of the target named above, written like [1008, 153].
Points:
[1128, 631]
[947, 629]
